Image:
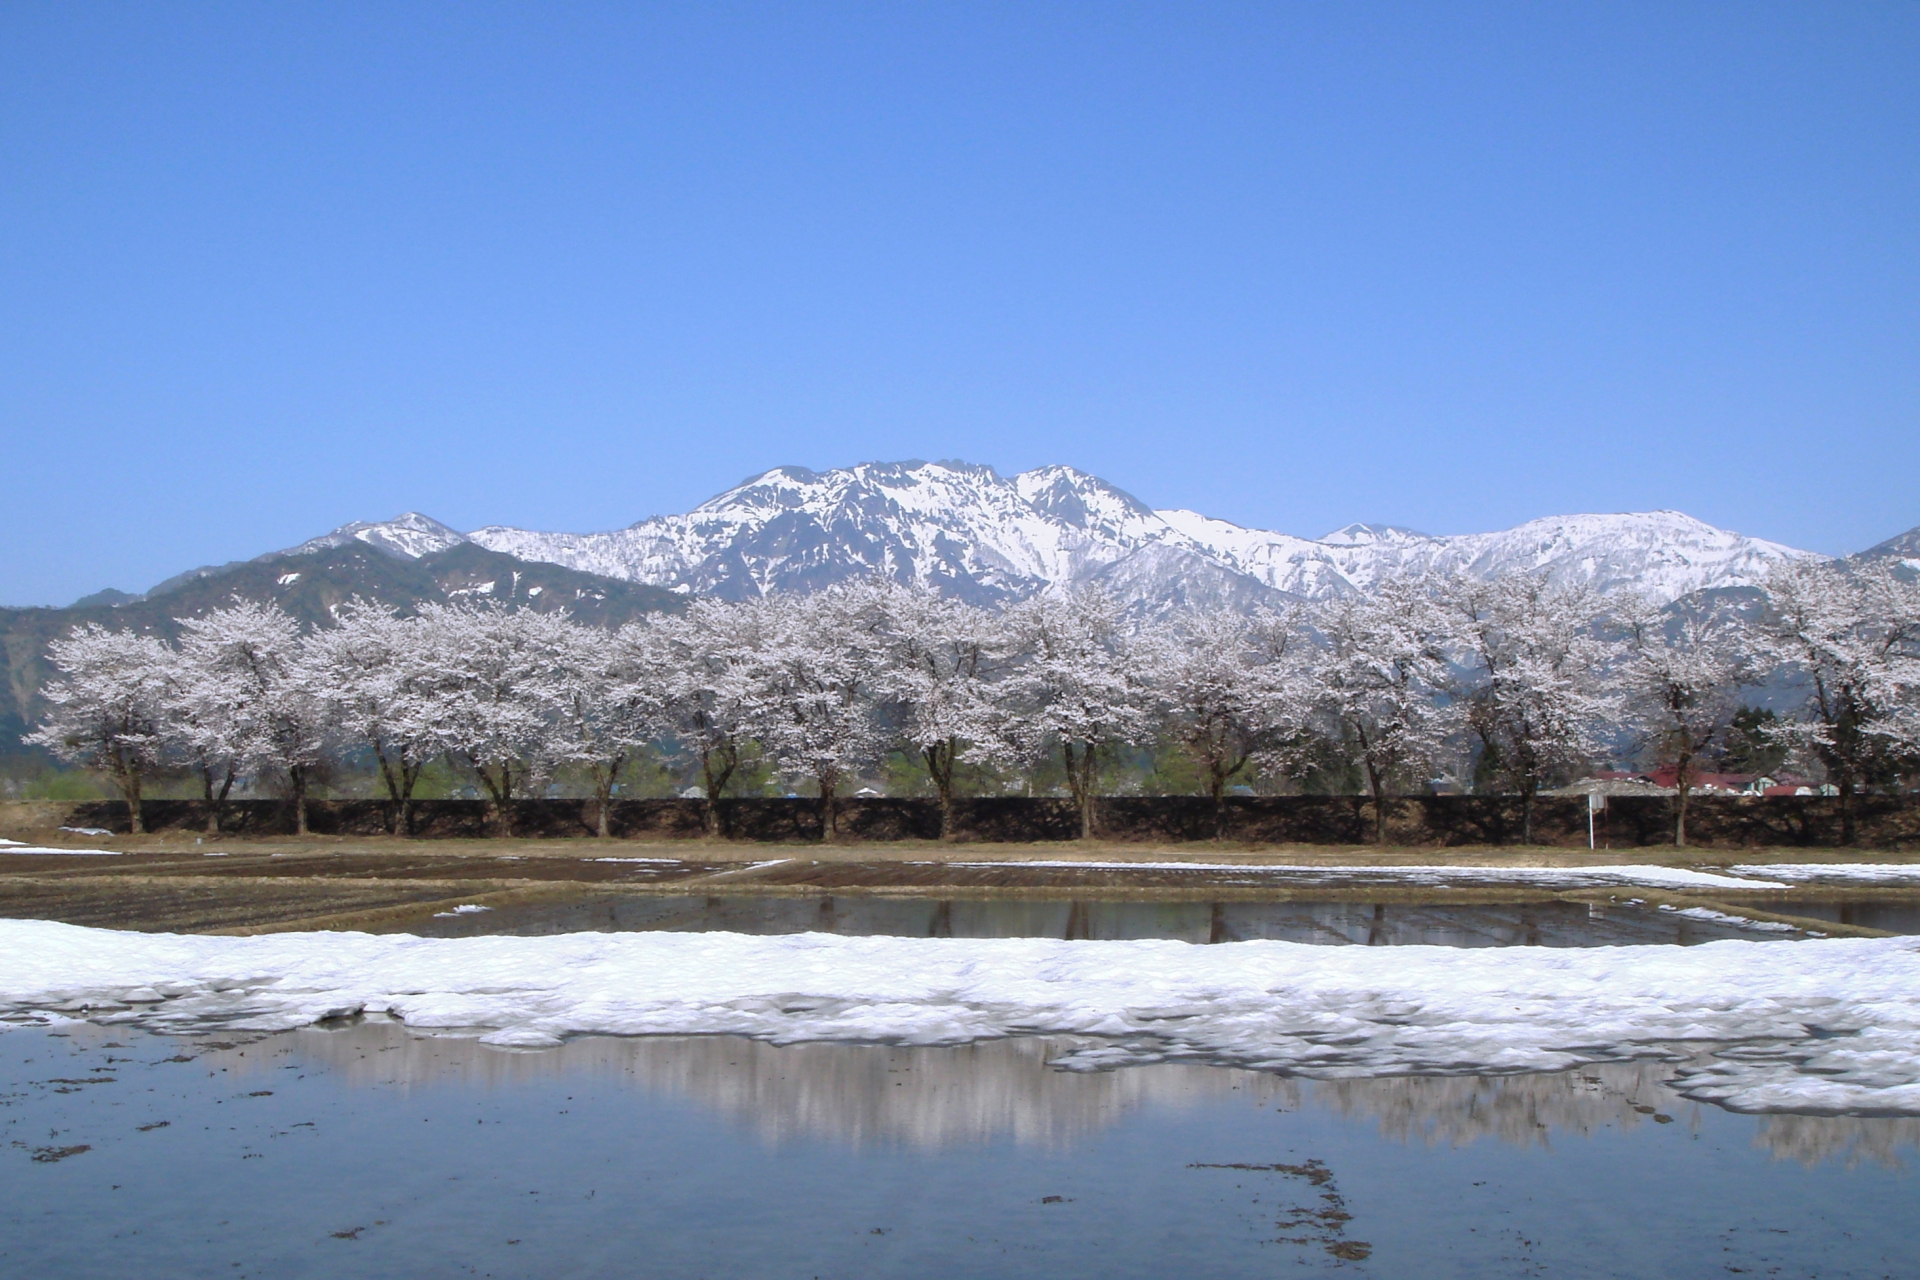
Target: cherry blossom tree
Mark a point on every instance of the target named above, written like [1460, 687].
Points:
[808, 687]
[1532, 650]
[612, 702]
[1077, 688]
[939, 659]
[496, 679]
[212, 715]
[1852, 636]
[1680, 684]
[704, 657]
[252, 656]
[369, 672]
[1224, 686]
[105, 711]
[1378, 680]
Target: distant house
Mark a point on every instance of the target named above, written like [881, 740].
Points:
[1666, 780]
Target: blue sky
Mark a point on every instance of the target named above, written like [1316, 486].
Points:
[268, 268]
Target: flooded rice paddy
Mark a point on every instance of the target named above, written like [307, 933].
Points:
[366, 1147]
[1548, 923]
[372, 1150]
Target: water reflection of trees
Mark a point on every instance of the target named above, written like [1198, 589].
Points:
[1005, 1090]
[1856, 1140]
[1521, 1110]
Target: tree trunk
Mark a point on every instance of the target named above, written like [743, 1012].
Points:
[1374, 784]
[500, 793]
[299, 779]
[604, 780]
[216, 801]
[130, 787]
[1080, 783]
[1683, 783]
[716, 774]
[939, 762]
[829, 814]
[399, 789]
[1848, 832]
[1218, 786]
[1526, 811]
[1089, 783]
[409, 777]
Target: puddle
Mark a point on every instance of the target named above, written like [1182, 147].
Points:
[1539, 924]
[1892, 916]
[371, 1150]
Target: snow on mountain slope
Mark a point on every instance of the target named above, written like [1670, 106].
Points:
[409, 536]
[1663, 553]
[985, 537]
[961, 527]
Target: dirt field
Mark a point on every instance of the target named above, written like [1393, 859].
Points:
[180, 883]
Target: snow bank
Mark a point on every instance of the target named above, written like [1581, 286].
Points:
[1556, 877]
[1721, 917]
[14, 846]
[1828, 1026]
[1838, 872]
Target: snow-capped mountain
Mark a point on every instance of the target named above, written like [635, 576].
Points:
[408, 536]
[984, 537]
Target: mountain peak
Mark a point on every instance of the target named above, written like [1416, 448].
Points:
[1374, 535]
[408, 535]
[1084, 501]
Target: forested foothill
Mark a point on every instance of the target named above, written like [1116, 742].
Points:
[843, 704]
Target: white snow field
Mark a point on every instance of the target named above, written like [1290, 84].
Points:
[1814, 1026]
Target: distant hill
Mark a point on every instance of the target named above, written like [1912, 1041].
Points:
[309, 585]
[1903, 549]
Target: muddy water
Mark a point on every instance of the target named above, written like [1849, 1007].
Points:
[371, 1151]
[1540, 924]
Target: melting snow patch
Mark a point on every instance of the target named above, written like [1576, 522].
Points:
[1721, 917]
[1558, 877]
[88, 831]
[1837, 872]
[14, 846]
[464, 909]
[1818, 1026]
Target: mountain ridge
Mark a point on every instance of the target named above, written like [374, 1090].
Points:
[966, 529]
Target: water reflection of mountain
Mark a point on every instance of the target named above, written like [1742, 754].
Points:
[1326, 923]
[993, 1090]
[1004, 1090]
